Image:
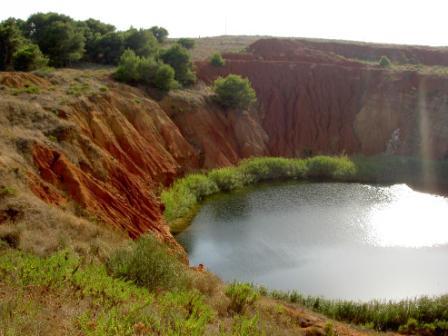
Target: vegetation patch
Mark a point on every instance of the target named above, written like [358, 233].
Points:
[234, 91]
[149, 264]
[424, 315]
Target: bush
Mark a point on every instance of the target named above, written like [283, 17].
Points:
[264, 169]
[128, 67]
[149, 264]
[58, 36]
[217, 60]
[385, 62]
[228, 178]
[141, 41]
[234, 91]
[187, 43]
[159, 33]
[144, 70]
[179, 59]
[241, 295]
[327, 167]
[164, 78]
[28, 58]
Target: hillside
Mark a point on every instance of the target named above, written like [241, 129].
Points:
[83, 158]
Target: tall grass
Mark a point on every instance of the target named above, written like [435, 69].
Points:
[182, 198]
[423, 315]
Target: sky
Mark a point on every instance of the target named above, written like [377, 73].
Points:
[385, 21]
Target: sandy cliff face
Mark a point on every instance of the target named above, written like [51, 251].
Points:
[311, 101]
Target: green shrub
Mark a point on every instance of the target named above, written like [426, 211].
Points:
[149, 264]
[234, 91]
[58, 36]
[269, 168]
[385, 62]
[241, 295]
[427, 315]
[164, 78]
[228, 178]
[128, 68]
[179, 59]
[28, 58]
[187, 43]
[145, 70]
[217, 60]
[327, 167]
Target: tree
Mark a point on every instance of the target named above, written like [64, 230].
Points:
[28, 58]
[145, 70]
[141, 41]
[187, 43]
[57, 35]
[107, 49]
[234, 91]
[127, 70]
[165, 78]
[217, 60]
[385, 62]
[179, 59]
[159, 33]
[10, 40]
[93, 30]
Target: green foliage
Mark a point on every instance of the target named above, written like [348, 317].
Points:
[141, 41]
[159, 33]
[426, 315]
[164, 78]
[115, 307]
[144, 70]
[326, 167]
[94, 30]
[106, 49]
[149, 264]
[264, 169]
[385, 62]
[187, 43]
[78, 89]
[128, 68]
[16, 52]
[179, 58]
[10, 40]
[241, 295]
[244, 326]
[217, 60]
[7, 191]
[227, 178]
[58, 37]
[29, 89]
[234, 91]
[28, 58]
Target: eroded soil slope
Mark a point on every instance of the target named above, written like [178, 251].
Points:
[313, 100]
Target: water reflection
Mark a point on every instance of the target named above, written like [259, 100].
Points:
[339, 240]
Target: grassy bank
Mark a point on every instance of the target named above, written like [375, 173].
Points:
[140, 290]
[181, 200]
[423, 316]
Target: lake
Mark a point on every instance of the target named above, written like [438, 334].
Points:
[338, 240]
